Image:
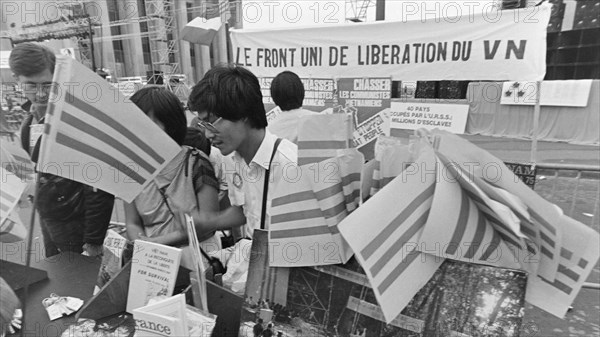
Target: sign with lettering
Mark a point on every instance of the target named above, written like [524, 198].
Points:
[493, 45]
[366, 100]
[525, 172]
[318, 92]
[412, 116]
[154, 269]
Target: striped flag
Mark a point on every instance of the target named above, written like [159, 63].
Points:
[391, 158]
[500, 217]
[14, 159]
[457, 229]
[10, 193]
[92, 135]
[384, 234]
[12, 229]
[579, 253]
[320, 136]
[305, 213]
[542, 226]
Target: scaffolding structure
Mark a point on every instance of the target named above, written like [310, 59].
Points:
[72, 23]
[311, 306]
[356, 10]
[160, 18]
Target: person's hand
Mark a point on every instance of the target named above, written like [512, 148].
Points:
[90, 249]
[15, 324]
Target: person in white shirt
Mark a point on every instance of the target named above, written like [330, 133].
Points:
[229, 103]
[287, 91]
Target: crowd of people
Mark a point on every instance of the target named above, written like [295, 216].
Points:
[230, 128]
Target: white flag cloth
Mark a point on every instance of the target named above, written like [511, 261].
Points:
[384, 233]
[12, 229]
[451, 204]
[320, 136]
[10, 193]
[94, 136]
[564, 244]
[14, 159]
[305, 212]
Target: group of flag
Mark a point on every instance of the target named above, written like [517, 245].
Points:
[423, 203]
[445, 205]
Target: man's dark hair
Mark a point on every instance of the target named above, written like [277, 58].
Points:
[287, 91]
[166, 107]
[230, 92]
[27, 59]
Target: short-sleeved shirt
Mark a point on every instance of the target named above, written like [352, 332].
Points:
[246, 182]
[155, 214]
[286, 124]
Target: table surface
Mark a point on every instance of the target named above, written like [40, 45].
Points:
[69, 274]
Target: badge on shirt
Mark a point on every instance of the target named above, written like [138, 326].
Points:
[237, 180]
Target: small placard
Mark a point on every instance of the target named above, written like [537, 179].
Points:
[525, 172]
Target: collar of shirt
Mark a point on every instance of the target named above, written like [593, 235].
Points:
[265, 150]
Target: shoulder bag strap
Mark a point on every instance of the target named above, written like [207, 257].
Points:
[266, 188]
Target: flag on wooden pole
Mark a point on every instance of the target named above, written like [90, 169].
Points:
[94, 136]
[305, 211]
[320, 136]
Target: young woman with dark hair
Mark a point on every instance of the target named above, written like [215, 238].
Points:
[149, 217]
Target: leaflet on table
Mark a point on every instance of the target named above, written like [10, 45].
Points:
[172, 317]
[154, 270]
[112, 258]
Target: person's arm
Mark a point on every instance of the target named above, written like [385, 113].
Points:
[98, 211]
[207, 221]
[133, 222]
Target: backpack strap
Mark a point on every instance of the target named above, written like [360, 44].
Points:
[266, 187]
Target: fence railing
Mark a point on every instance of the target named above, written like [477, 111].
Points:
[574, 188]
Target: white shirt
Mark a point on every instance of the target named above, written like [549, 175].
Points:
[246, 182]
[286, 123]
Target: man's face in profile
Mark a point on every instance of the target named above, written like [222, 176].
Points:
[37, 89]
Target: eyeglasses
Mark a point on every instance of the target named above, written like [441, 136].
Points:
[210, 126]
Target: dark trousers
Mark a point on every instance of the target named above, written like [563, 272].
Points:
[62, 236]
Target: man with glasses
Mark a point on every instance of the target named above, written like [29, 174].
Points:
[231, 112]
[73, 216]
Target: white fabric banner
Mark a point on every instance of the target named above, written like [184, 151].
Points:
[499, 45]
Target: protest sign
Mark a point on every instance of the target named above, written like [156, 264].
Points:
[318, 92]
[366, 99]
[413, 116]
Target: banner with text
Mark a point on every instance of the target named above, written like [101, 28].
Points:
[412, 116]
[366, 100]
[498, 45]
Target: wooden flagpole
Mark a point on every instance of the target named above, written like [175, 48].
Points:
[536, 123]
